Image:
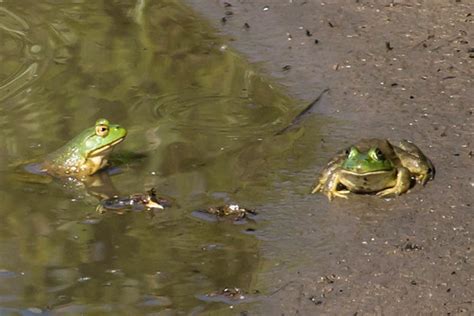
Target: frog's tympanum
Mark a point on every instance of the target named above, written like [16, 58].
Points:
[87, 153]
[374, 166]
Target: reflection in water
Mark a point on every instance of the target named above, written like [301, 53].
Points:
[198, 114]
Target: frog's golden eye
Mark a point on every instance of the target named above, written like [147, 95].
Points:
[102, 130]
[379, 153]
[376, 154]
[353, 152]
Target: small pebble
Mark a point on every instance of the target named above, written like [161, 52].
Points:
[35, 49]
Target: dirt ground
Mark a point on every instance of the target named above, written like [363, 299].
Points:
[396, 69]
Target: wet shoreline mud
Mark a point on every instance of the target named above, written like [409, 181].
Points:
[397, 70]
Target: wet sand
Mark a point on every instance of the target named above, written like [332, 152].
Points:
[395, 69]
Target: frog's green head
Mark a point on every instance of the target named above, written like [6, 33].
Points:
[362, 163]
[97, 141]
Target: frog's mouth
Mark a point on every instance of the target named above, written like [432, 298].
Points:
[368, 173]
[102, 151]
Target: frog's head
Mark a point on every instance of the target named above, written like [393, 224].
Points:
[97, 142]
[366, 162]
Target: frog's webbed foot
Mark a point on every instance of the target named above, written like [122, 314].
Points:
[389, 191]
[317, 188]
[334, 193]
[401, 186]
[427, 174]
[423, 178]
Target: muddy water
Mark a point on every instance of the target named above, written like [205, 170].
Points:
[201, 124]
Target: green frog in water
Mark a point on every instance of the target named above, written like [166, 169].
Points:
[86, 153]
[374, 166]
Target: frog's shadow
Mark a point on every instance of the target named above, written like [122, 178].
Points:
[130, 158]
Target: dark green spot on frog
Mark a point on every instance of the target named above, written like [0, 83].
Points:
[86, 153]
[374, 166]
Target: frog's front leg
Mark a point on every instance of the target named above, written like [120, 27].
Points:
[327, 173]
[402, 183]
[330, 187]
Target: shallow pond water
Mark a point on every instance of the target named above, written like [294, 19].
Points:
[201, 123]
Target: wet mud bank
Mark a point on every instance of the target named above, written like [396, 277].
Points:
[397, 70]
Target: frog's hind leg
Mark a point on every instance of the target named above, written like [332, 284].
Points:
[402, 183]
[411, 148]
[425, 169]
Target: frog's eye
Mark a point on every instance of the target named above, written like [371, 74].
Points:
[102, 130]
[353, 152]
[376, 154]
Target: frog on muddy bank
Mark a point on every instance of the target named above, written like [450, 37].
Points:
[374, 166]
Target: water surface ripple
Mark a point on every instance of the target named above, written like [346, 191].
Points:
[201, 123]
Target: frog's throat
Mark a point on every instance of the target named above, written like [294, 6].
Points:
[355, 173]
[103, 149]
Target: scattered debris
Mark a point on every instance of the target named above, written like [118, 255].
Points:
[233, 210]
[227, 212]
[134, 202]
[315, 300]
[410, 246]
